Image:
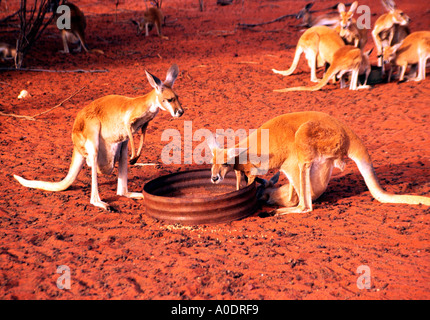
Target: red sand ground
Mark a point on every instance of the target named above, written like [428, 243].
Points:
[225, 82]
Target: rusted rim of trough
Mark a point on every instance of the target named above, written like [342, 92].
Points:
[190, 198]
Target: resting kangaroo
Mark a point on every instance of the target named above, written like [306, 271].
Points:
[306, 146]
[102, 130]
[319, 45]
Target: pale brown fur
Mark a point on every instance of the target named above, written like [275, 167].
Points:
[102, 130]
[414, 49]
[319, 45]
[152, 16]
[348, 29]
[306, 146]
[346, 59]
[390, 28]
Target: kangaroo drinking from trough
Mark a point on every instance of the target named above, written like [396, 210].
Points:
[305, 146]
[102, 130]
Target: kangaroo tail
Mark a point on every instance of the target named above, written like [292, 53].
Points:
[365, 166]
[327, 76]
[75, 167]
[299, 51]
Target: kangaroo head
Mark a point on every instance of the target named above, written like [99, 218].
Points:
[400, 17]
[223, 160]
[166, 98]
[389, 53]
[345, 17]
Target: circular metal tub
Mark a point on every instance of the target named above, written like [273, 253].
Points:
[191, 198]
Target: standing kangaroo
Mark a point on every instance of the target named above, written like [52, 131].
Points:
[76, 33]
[415, 49]
[102, 130]
[348, 29]
[305, 146]
[390, 28]
[319, 44]
[152, 16]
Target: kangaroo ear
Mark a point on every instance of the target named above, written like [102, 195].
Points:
[353, 6]
[235, 152]
[390, 5]
[309, 5]
[396, 46]
[212, 143]
[172, 74]
[154, 81]
[341, 7]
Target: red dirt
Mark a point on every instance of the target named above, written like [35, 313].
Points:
[225, 82]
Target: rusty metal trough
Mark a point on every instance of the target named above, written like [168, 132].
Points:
[191, 198]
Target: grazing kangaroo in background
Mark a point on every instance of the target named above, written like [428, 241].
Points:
[329, 19]
[152, 16]
[305, 146]
[102, 130]
[414, 49]
[390, 28]
[76, 33]
[346, 59]
[319, 45]
[348, 29]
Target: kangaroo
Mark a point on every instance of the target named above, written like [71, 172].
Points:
[329, 19]
[414, 49]
[152, 16]
[102, 130]
[284, 195]
[346, 59]
[348, 29]
[305, 146]
[76, 33]
[7, 52]
[319, 45]
[390, 28]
